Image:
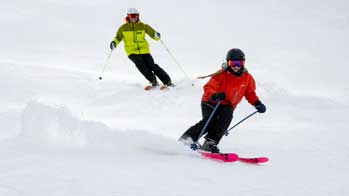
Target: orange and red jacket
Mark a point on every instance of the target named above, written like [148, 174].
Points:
[234, 87]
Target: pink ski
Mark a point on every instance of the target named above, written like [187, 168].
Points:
[232, 157]
[163, 87]
[254, 160]
[150, 87]
[225, 157]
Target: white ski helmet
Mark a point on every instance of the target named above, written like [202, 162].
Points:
[132, 11]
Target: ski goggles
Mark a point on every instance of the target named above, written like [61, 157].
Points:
[236, 63]
[133, 15]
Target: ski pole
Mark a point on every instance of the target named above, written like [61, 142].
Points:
[105, 65]
[175, 60]
[227, 131]
[194, 146]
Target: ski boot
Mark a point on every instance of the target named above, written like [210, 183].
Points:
[154, 83]
[170, 84]
[210, 146]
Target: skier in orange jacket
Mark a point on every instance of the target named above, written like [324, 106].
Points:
[228, 86]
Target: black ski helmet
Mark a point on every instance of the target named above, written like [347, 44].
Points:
[235, 54]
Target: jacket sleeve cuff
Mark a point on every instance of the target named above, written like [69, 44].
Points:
[116, 41]
[258, 102]
[156, 36]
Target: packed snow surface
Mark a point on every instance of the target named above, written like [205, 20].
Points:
[65, 132]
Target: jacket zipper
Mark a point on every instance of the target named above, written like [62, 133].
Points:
[134, 38]
[236, 94]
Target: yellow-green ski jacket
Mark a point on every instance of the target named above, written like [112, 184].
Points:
[133, 35]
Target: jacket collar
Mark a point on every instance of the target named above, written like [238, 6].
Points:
[239, 73]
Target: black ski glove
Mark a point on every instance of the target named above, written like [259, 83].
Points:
[112, 45]
[217, 96]
[260, 107]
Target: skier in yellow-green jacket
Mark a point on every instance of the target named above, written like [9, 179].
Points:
[137, 48]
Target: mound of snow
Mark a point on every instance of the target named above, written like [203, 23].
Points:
[57, 126]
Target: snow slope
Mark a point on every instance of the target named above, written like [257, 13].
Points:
[64, 132]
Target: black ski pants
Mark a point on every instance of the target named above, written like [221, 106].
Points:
[216, 127]
[145, 64]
